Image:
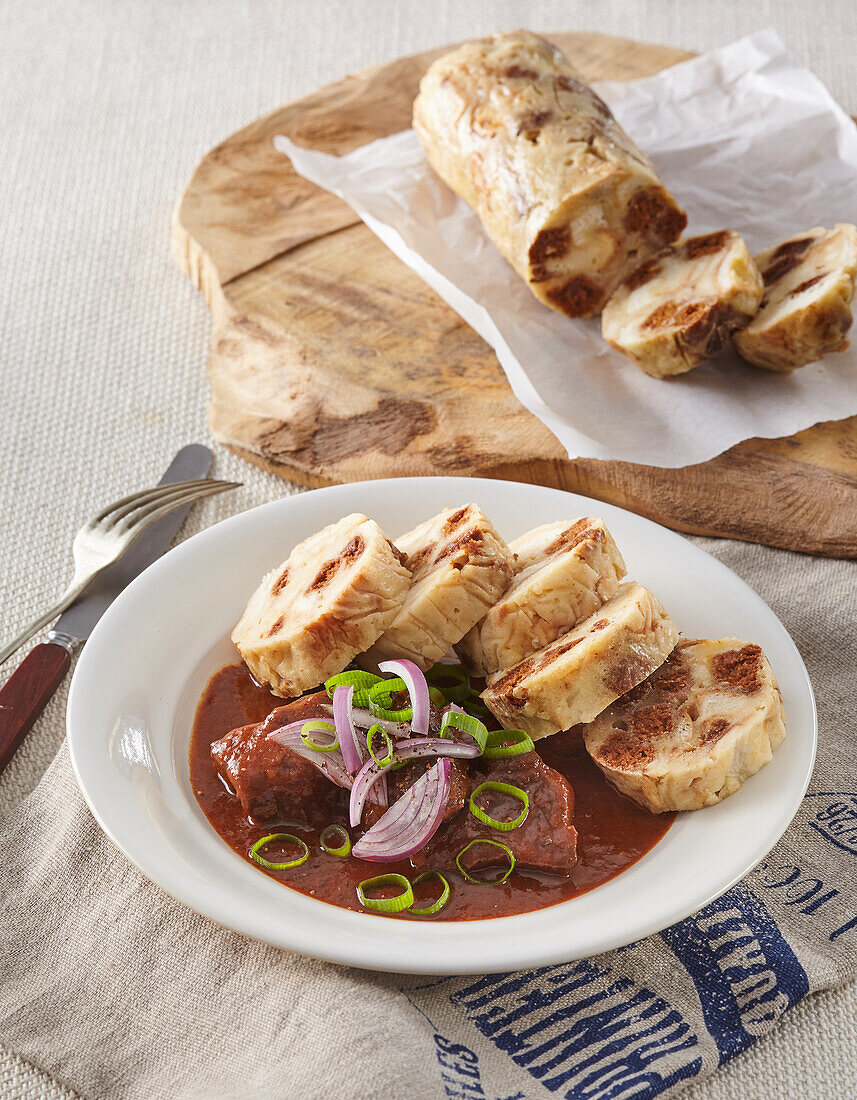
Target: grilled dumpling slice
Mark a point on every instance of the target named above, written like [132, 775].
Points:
[460, 568]
[683, 305]
[574, 678]
[564, 572]
[567, 197]
[806, 311]
[333, 597]
[688, 736]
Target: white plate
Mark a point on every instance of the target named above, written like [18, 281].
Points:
[136, 686]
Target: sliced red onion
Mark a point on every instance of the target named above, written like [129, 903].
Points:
[412, 821]
[418, 690]
[413, 749]
[345, 731]
[364, 719]
[330, 764]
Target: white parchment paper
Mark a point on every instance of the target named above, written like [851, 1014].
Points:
[745, 140]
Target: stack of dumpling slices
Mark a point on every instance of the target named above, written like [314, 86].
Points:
[560, 636]
[674, 724]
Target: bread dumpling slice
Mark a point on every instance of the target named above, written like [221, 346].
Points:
[564, 572]
[695, 730]
[575, 677]
[460, 568]
[677, 309]
[335, 595]
[806, 311]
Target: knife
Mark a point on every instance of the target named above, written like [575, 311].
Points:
[28, 690]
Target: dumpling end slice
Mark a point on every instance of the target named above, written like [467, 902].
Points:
[806, 311]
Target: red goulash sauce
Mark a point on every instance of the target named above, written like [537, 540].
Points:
[613, 833]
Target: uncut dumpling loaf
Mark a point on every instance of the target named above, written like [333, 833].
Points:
[566, 196]
[683, 305]
[564, 572]
[337, 592]
[806, 310]
[586, 669]
[460, 568]
[688, 736]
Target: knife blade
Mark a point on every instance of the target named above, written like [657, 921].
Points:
[28, 690]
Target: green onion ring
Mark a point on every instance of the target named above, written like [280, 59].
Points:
[358, 679]
[486, 881]
[437, 697]
[436, 906]
[452, 680]
[519, 743]
[466, 723]
[386, 905]
[475, 706]
[404, 715]
[288, 838]
[383, 761]
[380, 697]
[383, 689]
[501, 788]
[317, 725]
[328, 836]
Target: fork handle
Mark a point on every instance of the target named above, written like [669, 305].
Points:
[26, 694]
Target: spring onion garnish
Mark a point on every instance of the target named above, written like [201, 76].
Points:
[501, 788]
[486, 881]
[386, 905]
[418, 691]
[466, 723]
[316, 725]
[358, 679]
[453, 681]
[411, 821]
[381, 698]
[507, 743]
[403, 715]
[437, 697]
[345, 731]
[436, 906]
[334, 840]
[382, 692]
[279, 838]
[387, 758]
[475, 706]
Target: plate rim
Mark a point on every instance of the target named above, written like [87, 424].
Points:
[348, 953]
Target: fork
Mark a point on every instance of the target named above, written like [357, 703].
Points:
[107, 536]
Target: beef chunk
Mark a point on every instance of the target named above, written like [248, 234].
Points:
[269, 780]
[546, 841]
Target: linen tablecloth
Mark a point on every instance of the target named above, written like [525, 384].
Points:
[106, 109]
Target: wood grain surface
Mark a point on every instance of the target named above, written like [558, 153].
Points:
[331, 361]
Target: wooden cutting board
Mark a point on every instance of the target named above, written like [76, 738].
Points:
[330, 361]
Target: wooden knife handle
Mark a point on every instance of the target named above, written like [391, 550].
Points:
[26, 694]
